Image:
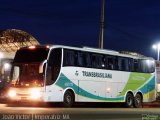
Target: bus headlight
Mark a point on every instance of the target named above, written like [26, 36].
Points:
[12, 93]
[35, 93]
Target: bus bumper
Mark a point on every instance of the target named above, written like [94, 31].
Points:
[25, 95]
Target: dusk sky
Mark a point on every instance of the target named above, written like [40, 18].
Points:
[132, 25]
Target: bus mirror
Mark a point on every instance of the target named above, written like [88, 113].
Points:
[42, 68]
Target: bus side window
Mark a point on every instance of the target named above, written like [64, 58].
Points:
[120, 62]
[49, 76]
[54, 65]
[136, 65]
[87, 60]
[147, 66]
[152, 66]
[123, 64]
[101, 61]
[81, 59]
[131, 65]
[98, 61]
[143, 66]
[110, 62]
[94, 61]
[69, 58]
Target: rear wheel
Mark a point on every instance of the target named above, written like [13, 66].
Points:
[138, 101]
[129, 100]
[68, 99]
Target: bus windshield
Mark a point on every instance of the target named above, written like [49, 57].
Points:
[27, 75]
[28, 67]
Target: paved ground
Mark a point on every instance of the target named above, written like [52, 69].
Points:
[52, 112]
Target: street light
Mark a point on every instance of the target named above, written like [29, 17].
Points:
[157, 47]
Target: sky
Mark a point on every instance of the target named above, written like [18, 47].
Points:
[130, 25]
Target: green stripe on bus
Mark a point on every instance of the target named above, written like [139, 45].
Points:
[135, 81]
[63, 81]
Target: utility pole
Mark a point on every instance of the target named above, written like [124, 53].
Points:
[101, 25]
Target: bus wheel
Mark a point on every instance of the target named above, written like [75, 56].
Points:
[138, 101]
[129, 100]
[68, 99]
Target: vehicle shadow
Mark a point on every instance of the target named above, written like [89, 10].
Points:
[60, 105]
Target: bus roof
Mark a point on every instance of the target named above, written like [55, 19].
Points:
[105, 51]
[31, 54]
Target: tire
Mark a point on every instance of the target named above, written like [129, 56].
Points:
[129, 100]
[138, 101]
[68, 99]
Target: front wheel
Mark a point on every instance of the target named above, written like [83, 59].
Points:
[129, 100]
[138, 101]
[68, 99]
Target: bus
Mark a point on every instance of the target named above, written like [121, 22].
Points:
[73, 74]
[5, 69]
[27, 73]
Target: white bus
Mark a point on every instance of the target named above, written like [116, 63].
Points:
[94, 75]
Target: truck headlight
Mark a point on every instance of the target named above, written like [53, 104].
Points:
[35, 93]
[12, 93]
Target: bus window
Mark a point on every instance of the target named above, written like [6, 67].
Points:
[84, 59]
[123, 64]
[147, 66]
[69, 58]
[136, 65]
[143, 66]
[81, 59]
[111, 63]
[94, 62]
[87, 58]
[151, 66]
[54, 65]
[131, 65]
[97, 61]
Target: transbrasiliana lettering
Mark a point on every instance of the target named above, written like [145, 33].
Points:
[96, 74]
